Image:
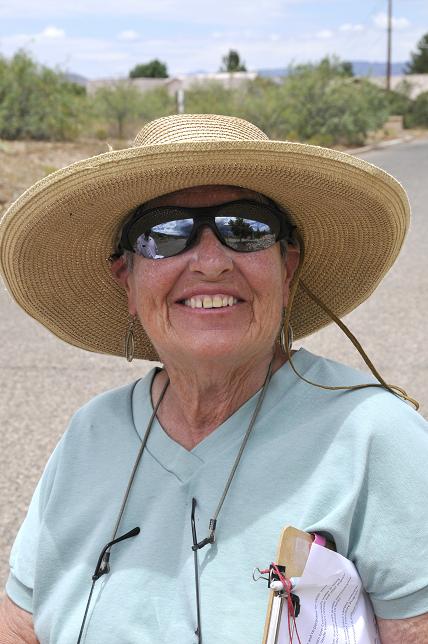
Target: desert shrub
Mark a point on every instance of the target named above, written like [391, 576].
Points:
[37, 102]
[211, 97]
[321, 104]
[122, 107]
[398, 103]
[324, 105]
[417, 115]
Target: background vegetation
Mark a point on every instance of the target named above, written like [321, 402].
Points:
[153, 69]
[319, 103]
[419, 58]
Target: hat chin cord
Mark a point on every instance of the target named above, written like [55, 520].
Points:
[394, 389]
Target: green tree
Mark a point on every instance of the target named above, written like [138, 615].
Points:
[261, 102]
[118, 103]
[240, 228]
[121, 104]
[231, 62]
[417, 115]
[155, 103]
[419, 58]
[153, 69]
[399, 101]
[210, 97]
[37, 102]
[347, 68]
[323, 105]
[318, 103]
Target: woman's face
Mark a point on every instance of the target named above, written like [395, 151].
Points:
[161, 292]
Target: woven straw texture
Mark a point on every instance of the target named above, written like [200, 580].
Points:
[56, 238]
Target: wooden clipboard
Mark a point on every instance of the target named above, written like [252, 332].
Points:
[293, 551]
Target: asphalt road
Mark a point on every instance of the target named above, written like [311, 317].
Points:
[43, 381]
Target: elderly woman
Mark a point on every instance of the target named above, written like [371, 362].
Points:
[221, 243]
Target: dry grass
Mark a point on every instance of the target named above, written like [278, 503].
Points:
[24, 162]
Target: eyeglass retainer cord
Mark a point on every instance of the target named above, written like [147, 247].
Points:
[103, 566]
[296, 282]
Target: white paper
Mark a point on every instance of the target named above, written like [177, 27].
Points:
[334, 609]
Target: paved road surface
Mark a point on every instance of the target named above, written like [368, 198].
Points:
[43, 381]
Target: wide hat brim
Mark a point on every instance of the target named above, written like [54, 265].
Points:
[55, 240]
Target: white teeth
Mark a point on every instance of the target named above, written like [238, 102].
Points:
[209, 302]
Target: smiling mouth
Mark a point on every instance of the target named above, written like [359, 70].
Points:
[210, 301]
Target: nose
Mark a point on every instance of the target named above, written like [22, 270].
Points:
[209, 256]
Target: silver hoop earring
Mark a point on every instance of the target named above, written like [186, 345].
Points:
[282, 336]
[130, 340]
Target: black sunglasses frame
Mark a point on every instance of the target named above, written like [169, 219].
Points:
[205, 216]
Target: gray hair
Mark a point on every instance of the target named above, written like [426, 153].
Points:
[128, 256]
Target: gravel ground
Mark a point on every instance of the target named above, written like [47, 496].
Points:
[44, 381]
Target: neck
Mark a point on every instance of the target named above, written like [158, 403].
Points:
[199, 399]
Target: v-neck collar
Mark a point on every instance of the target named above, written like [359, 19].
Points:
[183, 463]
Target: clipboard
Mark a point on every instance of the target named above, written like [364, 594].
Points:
[315, 592]
[293, 551]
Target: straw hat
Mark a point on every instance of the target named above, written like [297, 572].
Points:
[56, 238]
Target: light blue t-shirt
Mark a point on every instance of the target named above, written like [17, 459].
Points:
[351, 465]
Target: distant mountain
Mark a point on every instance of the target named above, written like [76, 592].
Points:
[364, 68]
[76, 78]
[360, 68]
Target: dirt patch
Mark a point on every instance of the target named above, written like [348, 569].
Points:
[22, 163]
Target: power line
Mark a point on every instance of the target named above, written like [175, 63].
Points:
[389, 47]
[355, 36]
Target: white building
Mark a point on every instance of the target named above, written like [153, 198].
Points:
[175, 83]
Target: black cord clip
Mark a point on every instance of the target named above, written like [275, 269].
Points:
[197, 545]
[103, 566]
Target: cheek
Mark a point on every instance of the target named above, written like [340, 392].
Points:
[267, 277]
[150, 285]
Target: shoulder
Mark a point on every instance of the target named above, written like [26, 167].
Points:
[108, 418]
[102, 430]
[113, 403]
[331, 372]
[370, 410]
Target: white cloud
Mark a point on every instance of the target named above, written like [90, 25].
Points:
[105, 57]
[237, 11]
[381, 20]
[324, 34]
[348, 27]
[102, 56]
[52, 32]
[128, 35]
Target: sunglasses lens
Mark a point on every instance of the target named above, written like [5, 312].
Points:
[243, 226]
[246, 235]
[164, 240]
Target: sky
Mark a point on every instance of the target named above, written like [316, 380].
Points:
[106, 38]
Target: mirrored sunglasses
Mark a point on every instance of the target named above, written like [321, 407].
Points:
[244, 226]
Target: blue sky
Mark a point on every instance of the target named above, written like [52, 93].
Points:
[106, 38]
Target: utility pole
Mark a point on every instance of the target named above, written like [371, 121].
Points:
[180, 100]
[388, 60]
